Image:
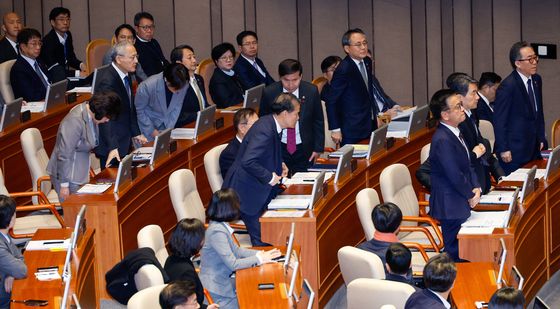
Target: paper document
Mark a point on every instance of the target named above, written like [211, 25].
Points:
[405, 113]
[497, 197]
[360, 151]
[486, 219]
[91, 188]
[289, 203]
[34, 107]
[284, 214]
[476, 230]
[47, 275]
[539, 174]
[182, 133]
[80, 90]
[51, 244]
[397, 134]
[306, 178]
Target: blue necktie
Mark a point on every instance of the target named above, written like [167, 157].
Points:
[531, 95]
[128, 89]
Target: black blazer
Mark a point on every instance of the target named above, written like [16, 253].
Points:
[7, 52]
[228, 155]
[53, 52]
[249, 76]
[388, 103]
[179, 268]
[225, 90]
[424, 299]
[484, 112]
[150, 56]
[25, 81]
[117, 133]
[311, 122]
[190, 104]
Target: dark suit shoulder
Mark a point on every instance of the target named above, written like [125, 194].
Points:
[423, 299]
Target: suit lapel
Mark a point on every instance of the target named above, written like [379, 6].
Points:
[522, 87]
[120, 86]
[453, 138]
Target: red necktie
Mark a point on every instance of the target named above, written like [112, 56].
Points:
[291, 140]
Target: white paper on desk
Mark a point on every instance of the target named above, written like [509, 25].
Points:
[91, 188]
[539, 174]
[476, 230]
[34, 107]
[289, 203]
[397, 134]
[306, 178]
[80, 90]
[496, 199]
[404, 113]
[515, 177]
[485, 219]
[47, 275]
[182, 133]
[284, 214]
[50, 244]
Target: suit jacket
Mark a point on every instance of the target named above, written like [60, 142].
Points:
[228, 155]
[69, 161]
[190, 104]
[225, 90]
[517, 126]
[378, 247]
[484, 112]
[424, 299]
[11, 264]
[7, 52]
[220, 257]
[399, 278]
[248, 75]
[472, 137]
[452, 177]
[150, 56]
[139, 73]
[182, 268]
[117, 133]
[388, 103]
[311, 122]
[151, 105]
[52, 51]
[350, 103]
[259, 156]
[25, 81]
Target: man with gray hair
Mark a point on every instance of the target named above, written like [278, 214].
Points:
[119, 132]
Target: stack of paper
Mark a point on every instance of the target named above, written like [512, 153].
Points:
[486, 219]
[51, 244]
[284, 214]
[182, 133]
[47, 274]
[521, 174]
[142, 154]
[497, 197]
[289, 203]
[92, 188]
[306, 178]
[80, 90]
[404, 113]
[360, 151]
[34, 107]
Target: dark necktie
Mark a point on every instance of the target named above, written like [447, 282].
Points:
[492, 105]
[128, 89]
[531, 95]
[364, 74]
[40, 73]
[380, 98]
[464, 144]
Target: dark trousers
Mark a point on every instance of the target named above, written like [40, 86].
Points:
[253, 228]
[296, 162]
[450, 229]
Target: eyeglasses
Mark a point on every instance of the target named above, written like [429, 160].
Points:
[34, 44]
[532, 59]
[147, 27]
[64, 19]
[250, 43]
[226, 58]
[359, 44]
[454, 108]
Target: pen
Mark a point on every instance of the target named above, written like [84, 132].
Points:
[308, 180]
[52, 242]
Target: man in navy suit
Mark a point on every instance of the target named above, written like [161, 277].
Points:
[249, 67]
[302, 144]
[243, 120]
[439, 276]
[258, 168]
[487, 86]
[11, 26]
[518, 111]
[455, 188]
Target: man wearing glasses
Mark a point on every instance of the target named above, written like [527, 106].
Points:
[250, 68]
[518, 111]
[150, 55]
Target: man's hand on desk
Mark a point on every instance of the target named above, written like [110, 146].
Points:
[155, 133]
[284, 170]
[64, 192]
[141, 139]
[506, 156]
[114, 154]
[476, 198]
[336, 137]
[393, 111]
[275, 179]
[8, 283]
[314, 155]
[267, 256]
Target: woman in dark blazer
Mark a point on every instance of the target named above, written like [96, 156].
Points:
[225, 88]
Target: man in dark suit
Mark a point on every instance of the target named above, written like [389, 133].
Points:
[243, 120]
[487, 86]
[149, 51]
[439, 276]
[455, 188]
[397, 264]
[249, 67]
[11, 26]
[29, 77]
[195, 99]
[258, 168]
[518, 111]
[302, 144]
[118, 133]
[58, 46]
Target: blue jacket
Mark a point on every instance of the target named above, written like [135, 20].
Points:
[248, 75]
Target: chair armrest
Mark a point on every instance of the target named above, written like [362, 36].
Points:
[41, 179]
[208, 297]
[433, 245]
[238, 226]
[91, 173]
[40, 195]
[49, 207]
[417, 246]
[430, 221]
[422, 206]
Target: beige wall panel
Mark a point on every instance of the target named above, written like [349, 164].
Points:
[233, 16]
[105, 17]
[6, 6]
[419, 53]
[462, 37]
[507, 30]
[250, 14]
[162, 10]
[131, 7]
[193, 27]
[48, 5]
[277, 29]
[447, 44]
[19, 7]
[34, 15]
[79, 26]
[216, 15]
[360, 15]
[433, 46]
[393, 48]
[482, 37]
[305, 47]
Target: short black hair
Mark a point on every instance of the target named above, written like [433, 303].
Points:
[460, 84]
[439, 273]
[346, 36]
[438, 103]
[284, 102]
[221, 49]
[398, 257]
[176, 293]
[177, 53]
[386, 217]
[105, 104]
[7, 210]
[289, 66]
[451, 77]
[507, 298]
[176, 75]
[515, 52]
[186, 239]
[241, 116]
[243, 34]
[26, 34]
[488, 78]
[125, 26]
[141, 15]
[58, 11]
[328, 62]
[224, 206]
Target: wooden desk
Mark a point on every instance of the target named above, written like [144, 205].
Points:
[117, 218]
[83, 269]
[475, 282]
[12, 160]
[334, 223]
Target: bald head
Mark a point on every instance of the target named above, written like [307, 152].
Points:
[11, 25]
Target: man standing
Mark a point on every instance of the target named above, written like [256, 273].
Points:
[258, 168]
[149, 51]
[455, 188]
[518, 111]
[303, 144]
[119, 132]
[487, 86]
[243, 120]
[249, 67]
[11, 25]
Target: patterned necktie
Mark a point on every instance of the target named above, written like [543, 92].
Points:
[128, 89]
[462, 140]
[40, 73]
[291, 140]
[364, 74]
[531, 95]
[258, 68]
